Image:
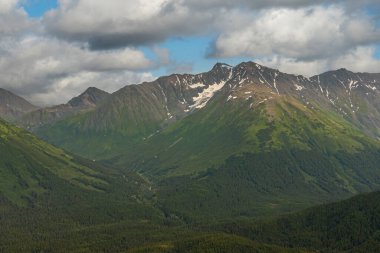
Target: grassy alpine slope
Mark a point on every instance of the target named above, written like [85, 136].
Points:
[231, 159]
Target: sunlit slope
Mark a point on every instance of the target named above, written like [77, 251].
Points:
[26, 162]
[257, 154]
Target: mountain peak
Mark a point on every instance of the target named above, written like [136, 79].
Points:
[90, 97]
[342, 71]
[250, 65]
[220, 65]
[12, 106]
[4, 92]
[92, 90]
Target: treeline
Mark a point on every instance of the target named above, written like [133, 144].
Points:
[214, 243]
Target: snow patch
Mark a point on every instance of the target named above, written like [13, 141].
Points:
[320, 87]
[196, 85]
[176, 142]
[242, 81]
[274, 82]
[299, 87]
[263, 101]
[226, 66]
[203, 97]
[178, 81]
[265, 80]
[370, 87]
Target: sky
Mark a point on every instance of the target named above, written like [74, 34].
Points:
[52, 50]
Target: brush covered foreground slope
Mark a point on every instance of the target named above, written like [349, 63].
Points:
[51, 200]
[349, 226]
[26, 161]
[352, 225]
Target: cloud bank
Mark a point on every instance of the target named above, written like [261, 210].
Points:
[104, 43]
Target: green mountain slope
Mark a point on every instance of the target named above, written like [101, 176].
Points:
[286, 165]
[241, 141]
[252, 151]
[222, 129]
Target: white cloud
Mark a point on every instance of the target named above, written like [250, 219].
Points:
[361, 59]
[36, 65]
[117, 23]
[292, 66]
[111, 25]
[63, 89]
[13, 20]
[48, 70]
[7, 6]
[306, 33]
[304, 41]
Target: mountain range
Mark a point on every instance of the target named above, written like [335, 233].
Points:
[137, 112]
[233, 144]
[85, 102]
